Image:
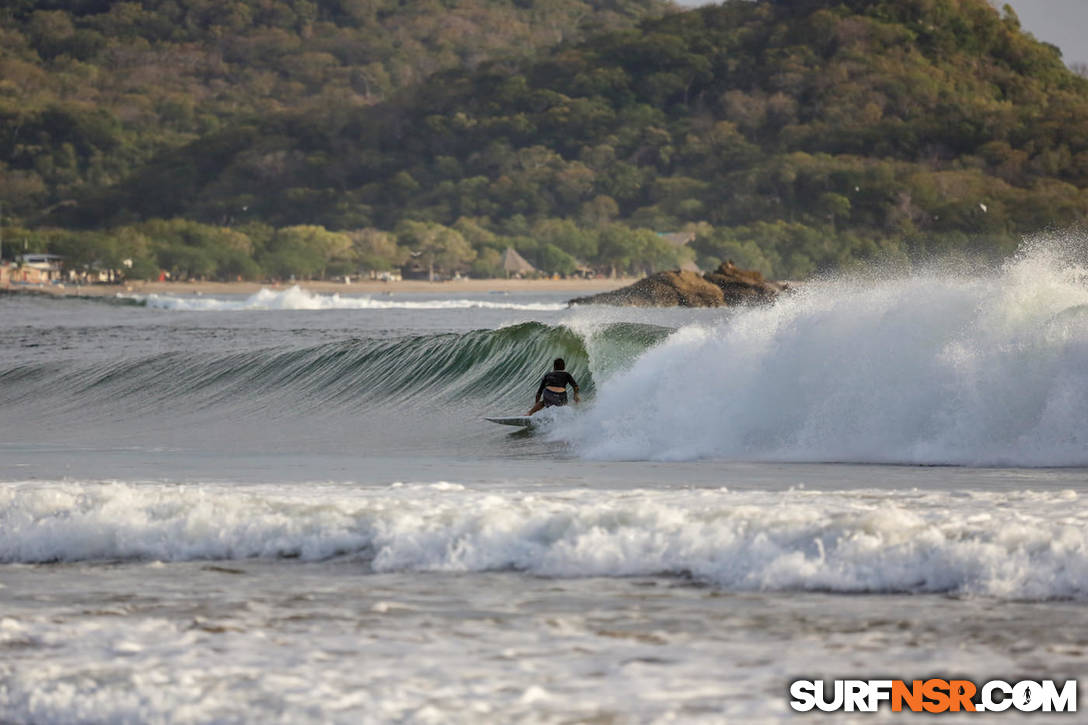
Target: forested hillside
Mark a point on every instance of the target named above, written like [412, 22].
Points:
[789, 136]
[90, 89]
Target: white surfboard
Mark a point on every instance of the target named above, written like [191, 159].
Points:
[522, 421]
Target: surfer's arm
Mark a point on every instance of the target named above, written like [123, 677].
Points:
[577, 398]
[540, 390]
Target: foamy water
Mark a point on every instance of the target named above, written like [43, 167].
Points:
[328, 643]
[932, 368]
[449, 603]
[296, 298]
[1020, 545]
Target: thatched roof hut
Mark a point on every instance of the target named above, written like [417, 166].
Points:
[514, 264]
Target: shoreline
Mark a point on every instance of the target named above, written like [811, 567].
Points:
[467, 286]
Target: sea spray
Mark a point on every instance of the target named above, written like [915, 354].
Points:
[932, 368]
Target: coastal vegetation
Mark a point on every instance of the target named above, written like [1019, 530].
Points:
[90, 91]
[792, 137]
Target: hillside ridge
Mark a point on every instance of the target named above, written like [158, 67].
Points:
[792, 137]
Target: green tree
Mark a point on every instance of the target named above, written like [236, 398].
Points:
[377, 250]
[308, 250]
[488, 263]
[554, 260]
[567, 236]
[437, 246]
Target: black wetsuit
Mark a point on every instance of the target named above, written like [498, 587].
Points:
[555, 379]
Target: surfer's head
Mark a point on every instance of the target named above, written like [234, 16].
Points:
[559, 364]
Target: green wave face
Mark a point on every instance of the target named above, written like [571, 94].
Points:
[494, 367]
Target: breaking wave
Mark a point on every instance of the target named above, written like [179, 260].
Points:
[296, 298]
[1010, 545]
[927, 369]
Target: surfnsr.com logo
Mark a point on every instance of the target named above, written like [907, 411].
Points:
[933, 695]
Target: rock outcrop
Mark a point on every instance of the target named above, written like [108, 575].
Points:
[726, 286]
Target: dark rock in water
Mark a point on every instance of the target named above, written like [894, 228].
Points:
[664, 289]
[727, 285]
[744, 286]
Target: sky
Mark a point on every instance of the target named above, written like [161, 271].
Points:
[1060, 22]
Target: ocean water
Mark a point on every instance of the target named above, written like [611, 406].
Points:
[286, 507]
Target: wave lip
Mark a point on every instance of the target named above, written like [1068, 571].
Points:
[1020, 545]
[296, 298]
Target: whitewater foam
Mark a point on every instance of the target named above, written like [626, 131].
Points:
[296, 298]
[932, 368]
[1016, 545]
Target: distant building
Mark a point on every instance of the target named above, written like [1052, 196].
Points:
[384, 276]
[585, 271]
[36, 268]
[413, 269]
[515, 265]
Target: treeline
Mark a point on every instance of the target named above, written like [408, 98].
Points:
[793, 137]
[188, 250]
[91, 89]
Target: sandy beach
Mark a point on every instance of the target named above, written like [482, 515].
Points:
[574, 286]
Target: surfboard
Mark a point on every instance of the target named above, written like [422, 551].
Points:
[522, 421]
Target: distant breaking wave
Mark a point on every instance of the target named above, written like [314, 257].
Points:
[297, 298]
[1014, 545]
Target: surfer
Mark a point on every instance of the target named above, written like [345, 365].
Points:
[553, 387]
